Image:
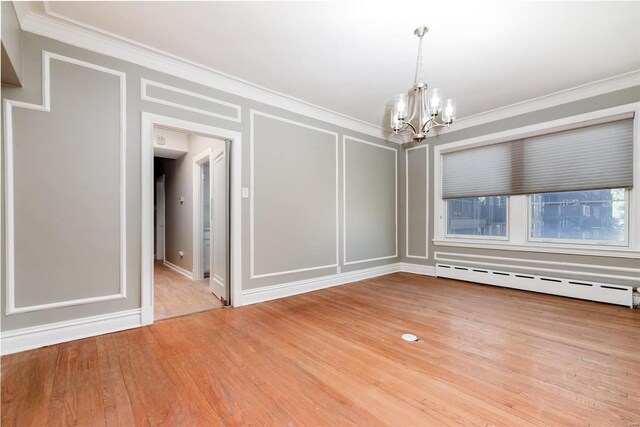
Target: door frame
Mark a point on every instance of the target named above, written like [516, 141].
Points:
[198, 232]
[161, 212]
[148, 121]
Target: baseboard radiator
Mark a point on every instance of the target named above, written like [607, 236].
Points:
[593, 291]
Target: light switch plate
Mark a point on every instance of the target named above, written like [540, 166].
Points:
[245, 193]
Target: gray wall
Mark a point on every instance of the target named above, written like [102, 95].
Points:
[416, 212]
[290, 192]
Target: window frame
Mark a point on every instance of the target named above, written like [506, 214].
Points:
[473, 236]
[518, 206]
[615, 243]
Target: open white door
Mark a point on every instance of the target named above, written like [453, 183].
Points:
[219, 277]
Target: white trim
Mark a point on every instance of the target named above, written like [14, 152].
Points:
[344, 198]
[146, 97]
[67, 30]
[196, 202]
[253, 275]
[425, 270]
[574, 288]
[577, 93]
[9, 203]
[58, 27]
[519, 242]
[406, 223]
[177, 269]
[148, 120]
[268, 293]
[552, 249]
[535, 261]
[53, 333]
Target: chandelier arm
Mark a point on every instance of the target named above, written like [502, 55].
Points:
[428, 125]
[437, 125]
[409, 125]
[415, 108]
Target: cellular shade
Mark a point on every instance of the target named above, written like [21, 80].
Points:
[589, 158]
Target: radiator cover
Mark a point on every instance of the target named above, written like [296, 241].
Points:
[593, 291]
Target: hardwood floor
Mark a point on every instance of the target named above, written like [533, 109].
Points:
[486, 356]
[176, 295]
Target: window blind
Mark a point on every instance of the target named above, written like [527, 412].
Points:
[589, 158]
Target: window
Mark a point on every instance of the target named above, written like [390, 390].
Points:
[596, 216]
[566, 187]
[477, 216]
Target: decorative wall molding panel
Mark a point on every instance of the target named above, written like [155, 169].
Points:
[407, 192]
[346, 138]
[9, 105]
[252, 232]
[54, 333]
[145, 84]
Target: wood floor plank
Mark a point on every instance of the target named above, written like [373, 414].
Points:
[486, 356]
[176, 295]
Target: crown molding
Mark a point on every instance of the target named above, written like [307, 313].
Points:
[577, 93]
[58, 27]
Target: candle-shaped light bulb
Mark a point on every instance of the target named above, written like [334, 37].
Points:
[395, 121]
[435, 101]
[449, 112]
[401, 105]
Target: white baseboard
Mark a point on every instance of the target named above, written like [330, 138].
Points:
[55, 333]
[268, 293]
[425, 270]
[177, 269]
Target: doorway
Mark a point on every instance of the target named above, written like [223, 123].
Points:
[176, 274]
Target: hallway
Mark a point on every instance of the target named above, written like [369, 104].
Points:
[176, 295]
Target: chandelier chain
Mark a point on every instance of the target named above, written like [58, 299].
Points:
[419, 65]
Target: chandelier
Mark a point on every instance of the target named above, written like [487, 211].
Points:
[427, 105]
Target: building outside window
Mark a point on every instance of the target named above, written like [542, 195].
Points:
[596, 215]
[477, 216]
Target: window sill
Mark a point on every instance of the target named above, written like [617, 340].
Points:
[548, 248]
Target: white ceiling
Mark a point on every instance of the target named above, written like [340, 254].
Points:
[353, 57]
